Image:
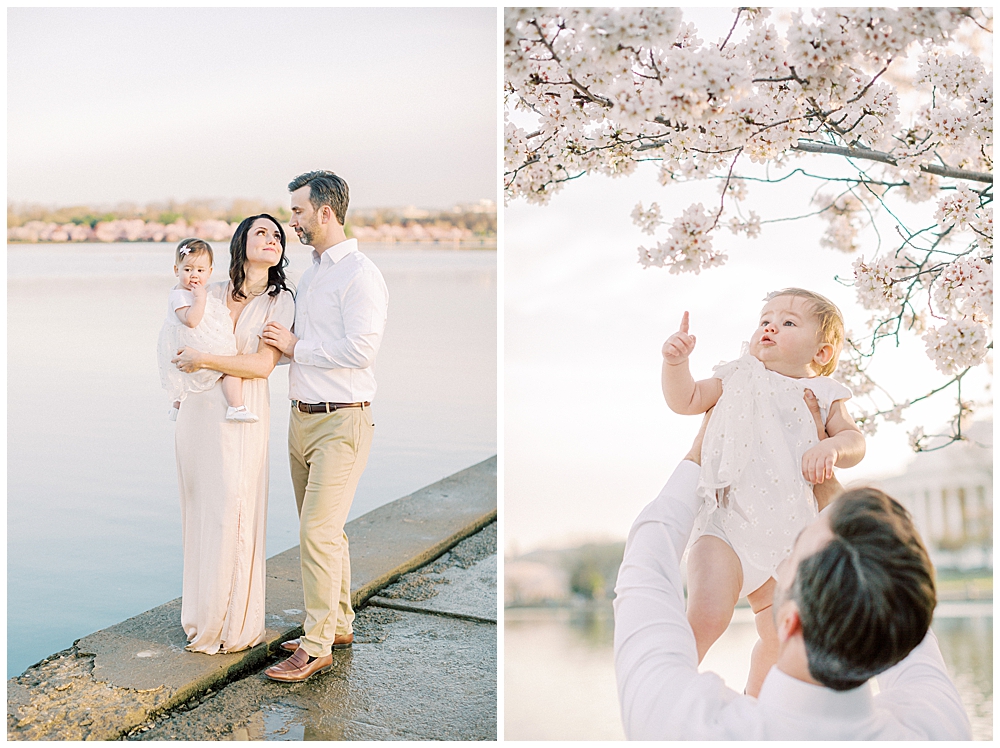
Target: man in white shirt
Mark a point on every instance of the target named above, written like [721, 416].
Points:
[340, 313]
[854, 600]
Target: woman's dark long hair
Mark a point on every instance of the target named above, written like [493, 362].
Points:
[276, 282]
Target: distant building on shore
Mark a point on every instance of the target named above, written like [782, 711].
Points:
[949, 492]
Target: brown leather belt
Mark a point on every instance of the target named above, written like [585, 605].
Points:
[325, 407]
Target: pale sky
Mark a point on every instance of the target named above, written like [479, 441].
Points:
[136, 104]
[588, 439]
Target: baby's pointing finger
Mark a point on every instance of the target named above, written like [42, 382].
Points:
[684, 323]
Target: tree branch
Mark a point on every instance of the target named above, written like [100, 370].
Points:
[739, 12]
[869, 155]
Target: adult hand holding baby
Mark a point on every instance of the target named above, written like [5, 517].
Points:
[188, 359]
[679, 346]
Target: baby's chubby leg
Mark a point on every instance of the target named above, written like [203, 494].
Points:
[232, 388]
[715, 577]
[765, 651]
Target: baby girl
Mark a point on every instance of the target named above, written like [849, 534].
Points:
[196, 319]
[760, 459]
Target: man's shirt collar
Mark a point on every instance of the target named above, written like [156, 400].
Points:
[794, 696]
[337, 252]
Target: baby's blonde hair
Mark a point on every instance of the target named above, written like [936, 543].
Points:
[831, 322]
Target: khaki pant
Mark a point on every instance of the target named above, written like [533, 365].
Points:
[327, 453]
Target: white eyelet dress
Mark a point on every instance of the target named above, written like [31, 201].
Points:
[753, 447]
[214, 334]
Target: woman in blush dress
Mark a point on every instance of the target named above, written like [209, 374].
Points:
[222, 466]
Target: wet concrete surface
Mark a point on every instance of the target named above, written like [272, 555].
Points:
[112, 681]
[428, 672]
[462, 583]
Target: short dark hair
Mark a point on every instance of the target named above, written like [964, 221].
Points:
[867, 598]
[325, 188]
[276, 282]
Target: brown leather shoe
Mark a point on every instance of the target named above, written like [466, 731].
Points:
[298, 668]
[339, 642]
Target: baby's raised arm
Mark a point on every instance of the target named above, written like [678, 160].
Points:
[191, 315]
[682, 393]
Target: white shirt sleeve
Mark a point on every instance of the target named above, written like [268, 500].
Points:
[662, 695]
[364, 303]
[179, 298]
[920, 694]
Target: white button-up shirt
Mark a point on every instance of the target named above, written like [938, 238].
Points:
[340, 311]
[664, 697]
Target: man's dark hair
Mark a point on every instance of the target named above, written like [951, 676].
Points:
[325, 188]
[276, 281]
[867, 598]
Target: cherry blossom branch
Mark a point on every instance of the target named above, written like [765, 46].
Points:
[736, 21]
[808, 146]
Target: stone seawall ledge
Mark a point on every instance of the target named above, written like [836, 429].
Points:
[115, 679]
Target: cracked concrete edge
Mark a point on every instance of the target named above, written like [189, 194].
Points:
[360, 596]
[381, 602]
[27, 702]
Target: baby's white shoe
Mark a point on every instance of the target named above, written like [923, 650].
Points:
[172, 414]
[241, 415]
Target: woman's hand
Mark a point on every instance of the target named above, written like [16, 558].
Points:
[188, 360]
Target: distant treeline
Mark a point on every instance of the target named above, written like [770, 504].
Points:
[480, 219]
[592, 568]
[165, 213]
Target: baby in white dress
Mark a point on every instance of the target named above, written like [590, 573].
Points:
[761, 457]
[198, 320]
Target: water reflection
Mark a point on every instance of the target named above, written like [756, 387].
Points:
[967, 648]
[559, 681]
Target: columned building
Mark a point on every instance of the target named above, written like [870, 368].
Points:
[949, 492]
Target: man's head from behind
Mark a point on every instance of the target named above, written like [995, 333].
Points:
[858, 589]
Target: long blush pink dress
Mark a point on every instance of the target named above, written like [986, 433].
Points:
[222, 474]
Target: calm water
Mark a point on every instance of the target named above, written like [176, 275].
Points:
[559, 680]
[93, 521]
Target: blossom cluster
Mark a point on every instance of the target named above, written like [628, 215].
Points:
[689, 248]
[957, 344]
[647, 220]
